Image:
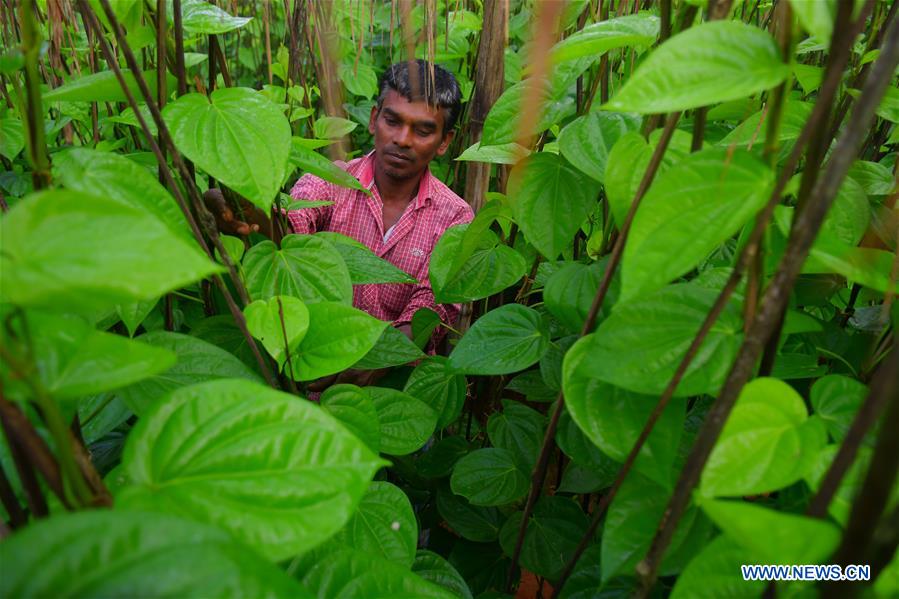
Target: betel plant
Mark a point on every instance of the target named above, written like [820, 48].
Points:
[680, 355]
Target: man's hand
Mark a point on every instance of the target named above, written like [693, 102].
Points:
[225, 219]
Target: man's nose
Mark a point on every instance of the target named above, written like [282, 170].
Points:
[403, 137]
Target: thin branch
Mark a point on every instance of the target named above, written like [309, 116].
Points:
[34, 113]
[290, 381]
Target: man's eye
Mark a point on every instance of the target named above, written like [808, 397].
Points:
[390, 121]
[423, 132]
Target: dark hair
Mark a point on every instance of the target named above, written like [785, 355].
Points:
[434, 84]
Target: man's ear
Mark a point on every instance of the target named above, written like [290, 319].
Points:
[447, 140]
[372, 118]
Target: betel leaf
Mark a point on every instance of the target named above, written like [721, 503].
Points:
[393, 348]
[840, 506]
[223, 332]
[504, 340]
[281, 475]
[359, 78]
[354, 408]
[236, 135]
[337, 338]
[706, 64]
[124, 253]
[280, 323]
[631, 524]
[12, 136]
[103, 87]
[333, 127]
[491, 267]
[638, 30]
[502, 124]
[364, 266]
[866, 266]
[586, 141]
[349, 573]
[489, 477]
[509, 153]
[641, 344]
[424, 322]
[406, 422]
[551, 200]
[306, 159]
[434, 568]
[134, 313]
[518, 429]
[73, 359]
[836, 399]
[817, 18]
[569, 293]
[476, 523]
[751, 132]
[199, 16]
[613, 418]
[874, 178]
[553, 533]
[383, 525]
[197, 362]
[715, 573]
[788, 538]
[437, 385]
[690, 210]
[307, 266]
[767, 443]
[118, 553]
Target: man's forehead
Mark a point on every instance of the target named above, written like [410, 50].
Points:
[416, 110]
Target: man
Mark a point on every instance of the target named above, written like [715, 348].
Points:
[408, 209]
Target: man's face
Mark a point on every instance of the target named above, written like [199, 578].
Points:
[407, 136]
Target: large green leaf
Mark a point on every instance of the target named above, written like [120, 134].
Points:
[351, 574]
[354, 408]
[393, 348]
[406, 422]
[473, 522]
[817, 17]
[236, 135]
[435, 383]
[277, 473]
[518, 429]
[333, 127]
[570, 291]
[586, 141]
[767, 443]
[638, 30]
[103, 87]
[106, 553]
[113, 175]
[641, 344]
[73, 359]
[123, 253]
[553, 533]
[364, 265]
[280, 323]
[503, 121]
[752, 131]
[439, 459]
[490, 268]
[706, 64]
[434, 568]
[836, 399]
[314, 163]
[199, 16]
[715, 573]
[307, 266]
[690, 210]
[551, 200]
[631, 524]
[383, 525]
[504, 340]
[875, 178]
[509, 153]
[197, 361]
[613, 418]
[337, 338]
[489, 477]
[788, 538]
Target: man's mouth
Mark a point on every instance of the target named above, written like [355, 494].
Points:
[397, 156]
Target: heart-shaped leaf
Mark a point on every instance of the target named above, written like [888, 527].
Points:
[489, 477]
[280, 323]
[504, 340]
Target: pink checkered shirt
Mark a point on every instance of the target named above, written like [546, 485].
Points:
[409, 246]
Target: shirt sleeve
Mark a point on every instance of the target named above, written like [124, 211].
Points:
[310, 220]
[423, 295]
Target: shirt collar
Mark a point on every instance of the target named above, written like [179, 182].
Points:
[425, 187]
